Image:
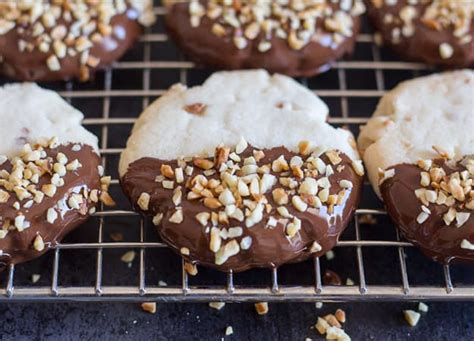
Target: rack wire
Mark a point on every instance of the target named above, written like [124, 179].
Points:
[274, 288]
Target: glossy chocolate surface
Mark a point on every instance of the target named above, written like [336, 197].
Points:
[32, 66]
[270, 247]
[436, 240]
[424, 44]
[204, 47]
[17, 246]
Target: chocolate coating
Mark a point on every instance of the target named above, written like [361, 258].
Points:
[424, 44]
[32, 66]
[436, 240]
[204, 47]
[17, 246]
[270, 247]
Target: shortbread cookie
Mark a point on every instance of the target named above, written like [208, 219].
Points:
[59, 40]
[242, 171]
[297, 39]
[438, 32]
[419, 152]
[50, 173]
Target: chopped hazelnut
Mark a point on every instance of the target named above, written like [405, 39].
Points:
[149, 307]
[261, 308]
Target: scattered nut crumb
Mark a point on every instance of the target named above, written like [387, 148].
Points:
[334, 333]
[332, 320]
[195, 108]
[319, 305]
[422, 307]
[349, 281]
[412, 317]
[331, 326]
[35, 278]
[330, 255]
[331, 278]
[190, 268]
[340, 315]
[261, 308]
[378, 40]
[367, 219]
[128, 257]
[116, 236]
[217, 305]
[162, 284]
[149, 307]
[321, 326]
[229, 331]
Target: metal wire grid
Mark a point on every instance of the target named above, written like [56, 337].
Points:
[228, 292]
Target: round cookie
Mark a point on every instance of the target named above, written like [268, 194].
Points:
[242, 171]
[431, 31]
[419, 155]
[297, 39]
[50, 173]
[60, 40]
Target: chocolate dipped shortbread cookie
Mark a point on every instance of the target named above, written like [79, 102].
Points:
[297, 38]
[60, 40]
[437, 32]
[419, 153]
[242, 171]
[50, 173]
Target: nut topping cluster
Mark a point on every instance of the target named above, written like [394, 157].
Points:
[438, 15]
[297, 22]
[34, 177]
[331, 326]
[239, 192]
[454, 191]
[64, 28]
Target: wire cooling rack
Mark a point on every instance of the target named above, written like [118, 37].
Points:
[86, 266]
